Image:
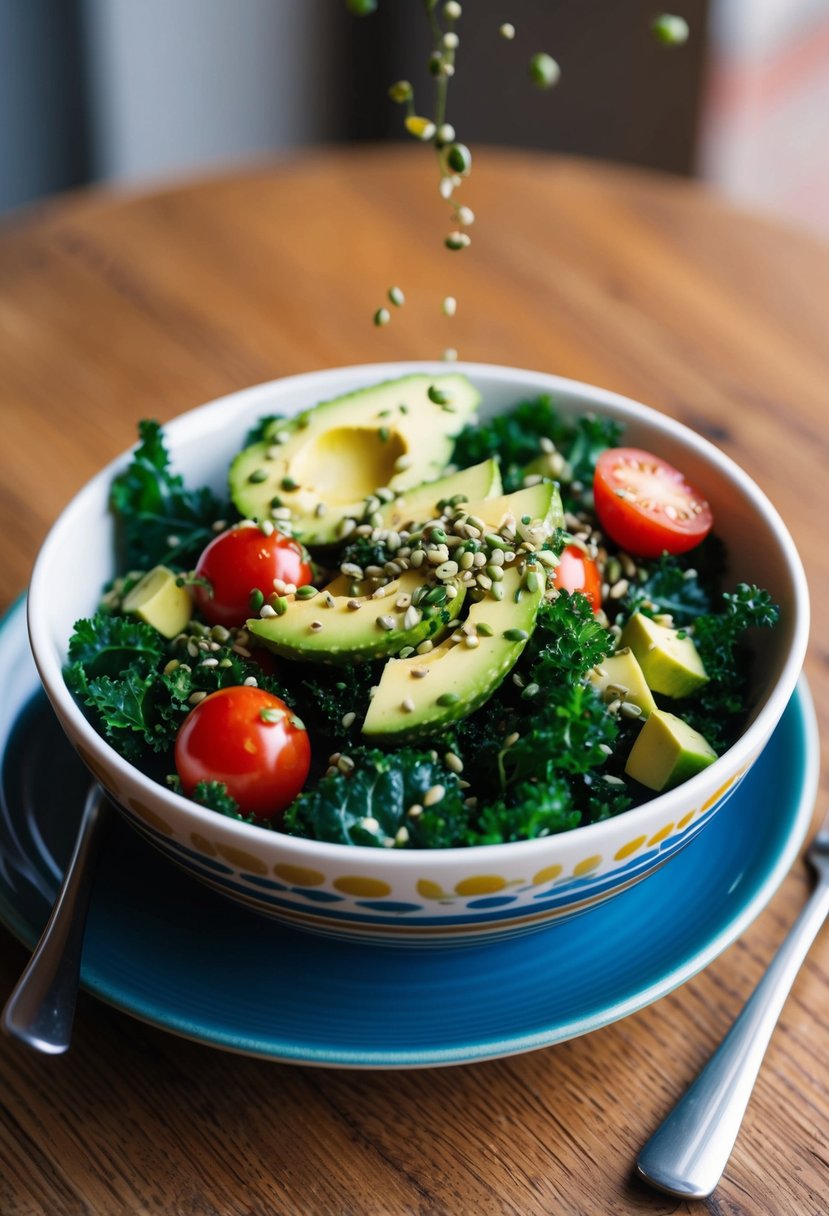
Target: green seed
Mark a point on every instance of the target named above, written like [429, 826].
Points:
[438, 395]
[450, 306]
[457, 240]
[307, 592]
[361, 8]
[280, 604]
[544, 71]
[401, 91]
[396, 296]
[448, 698]
[533, 581]
[516, 635]
[507, 30]
[436, 596]
[484, 630]
[497, 592]
[383, 432]
[255, 600]
[288, 483]
[257, 476]
[670, 30]
[382, 317]
[459, 159]
[271, 716]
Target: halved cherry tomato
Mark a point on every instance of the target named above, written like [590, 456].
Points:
[578, 572]
[250, 740]
[646, 505]
[243, 560]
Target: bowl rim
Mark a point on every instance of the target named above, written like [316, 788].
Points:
[613, 404]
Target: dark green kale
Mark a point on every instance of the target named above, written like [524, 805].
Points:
[160, 522]
[718, 710]
[263, 429]
[137, 687]
[514, 438]
[566, 643]
[105, 645]
[670, 585]
[327, 695]
[371, 805]
[364, 552]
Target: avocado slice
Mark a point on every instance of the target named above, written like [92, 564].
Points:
[620, 676]
[669, 659]
[667, 752]
[540, 505]
[421, 503]
[323, 464]
[160, 601]
[327, 629]
[417, 696]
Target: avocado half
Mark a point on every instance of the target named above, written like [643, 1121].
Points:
[323, 464]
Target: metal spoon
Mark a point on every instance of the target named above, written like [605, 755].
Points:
[689, 1151]
[41, 1008]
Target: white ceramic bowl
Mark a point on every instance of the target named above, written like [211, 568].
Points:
[421, 895]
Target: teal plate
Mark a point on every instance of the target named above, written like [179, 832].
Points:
[164, 948]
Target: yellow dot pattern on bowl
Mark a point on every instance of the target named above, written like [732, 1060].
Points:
[430, 890]
[480, 884]
[546, 875]
[203, 844]
[685, 820]
[299, 876]
[584, 867]
[150, 817]
[370, 888]
[661, 835]
[717, 795]
[242, 860]
[630, 848]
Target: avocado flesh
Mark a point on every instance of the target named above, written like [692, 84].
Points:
[541, 503]
[160, 601]
[619, 676]
[348, 634]
[671, 664]
[323, 464]
[667, 752]
[421, 503]
[407, 705]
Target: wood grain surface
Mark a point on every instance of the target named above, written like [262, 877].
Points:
[115, 307]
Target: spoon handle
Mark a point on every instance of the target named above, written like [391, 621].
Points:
[41, 1007]
[689, 1151]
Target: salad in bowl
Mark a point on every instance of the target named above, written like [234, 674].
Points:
[419, 651]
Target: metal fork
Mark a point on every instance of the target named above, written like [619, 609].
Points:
[689, 1151]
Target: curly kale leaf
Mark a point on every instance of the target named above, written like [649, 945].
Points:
[160, 521]
[369, 805]
[671, 585]
[533, 810]
[718, 710]
[326, 695]
[263, 429]
[106, 645]
[514, 438]
[566, 643]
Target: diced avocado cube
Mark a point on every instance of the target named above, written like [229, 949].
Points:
[667, 752]
[669, 659]
[619, 676]
[159, 600]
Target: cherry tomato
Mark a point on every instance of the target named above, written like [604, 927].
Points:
[646, 505]
[242, 560]
[578, 572]
[251, 741]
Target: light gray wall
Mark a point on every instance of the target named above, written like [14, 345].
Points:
[182, 85]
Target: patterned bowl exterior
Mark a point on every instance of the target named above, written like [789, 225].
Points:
[415, 896]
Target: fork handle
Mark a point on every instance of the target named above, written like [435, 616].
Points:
[41, 1008]
[689, 1151]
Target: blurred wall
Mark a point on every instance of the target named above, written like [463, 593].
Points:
[183, 85]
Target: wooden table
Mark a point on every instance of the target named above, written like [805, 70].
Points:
[115, 307]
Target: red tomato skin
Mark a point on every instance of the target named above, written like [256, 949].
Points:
[640, 525]
[241, 560]
[224, 738]
[578, 572]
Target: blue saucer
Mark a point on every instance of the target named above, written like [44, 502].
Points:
[165, 949]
